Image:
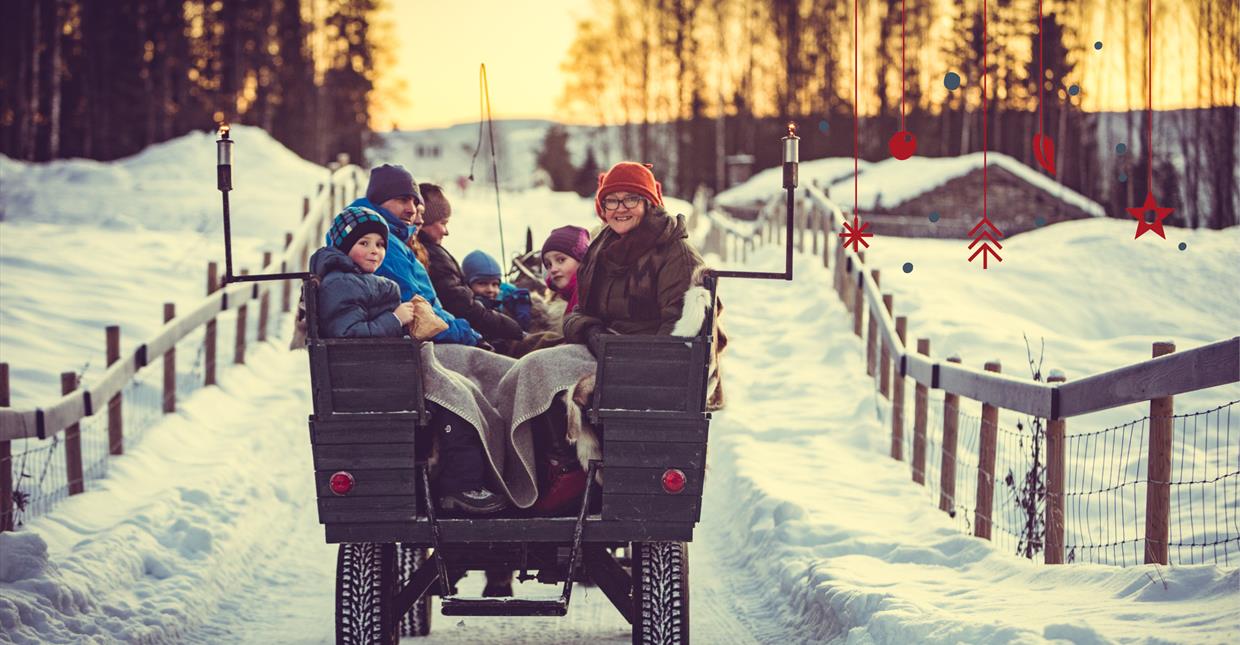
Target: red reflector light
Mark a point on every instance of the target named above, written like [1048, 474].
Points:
[341, 483]
[673, 480]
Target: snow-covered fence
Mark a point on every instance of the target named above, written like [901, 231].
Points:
[63, 445]
[1092, 510]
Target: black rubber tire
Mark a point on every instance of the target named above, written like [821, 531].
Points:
[416, 621]
[660, 593]
[366, 577]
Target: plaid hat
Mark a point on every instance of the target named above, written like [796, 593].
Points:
[351, 224]
[569, 240]
[479, 266]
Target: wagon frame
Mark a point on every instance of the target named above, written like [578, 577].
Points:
[370, 429]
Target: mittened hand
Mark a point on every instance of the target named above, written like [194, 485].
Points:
[518, 304]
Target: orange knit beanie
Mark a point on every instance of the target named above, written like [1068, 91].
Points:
[631, 177]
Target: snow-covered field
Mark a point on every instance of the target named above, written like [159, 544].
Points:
[206, 530]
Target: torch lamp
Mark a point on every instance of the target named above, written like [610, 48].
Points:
[792, 155]
[223, 181]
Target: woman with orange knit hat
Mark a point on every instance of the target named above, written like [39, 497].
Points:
[635, 274]
[632, 280]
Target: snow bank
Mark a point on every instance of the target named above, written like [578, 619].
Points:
[182, 528]
[753, 193]
[170, 186]
[892, 182]
[858, 552]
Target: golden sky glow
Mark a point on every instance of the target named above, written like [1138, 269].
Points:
[438, 45]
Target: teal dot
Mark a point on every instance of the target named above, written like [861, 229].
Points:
[1074, 90]
[1121, 148]
[934, 216]
[1183, 245]
[1097, 44]
[951, 80]
[1039, 221]
[1123, 177]
[823, 126]
[908, 267]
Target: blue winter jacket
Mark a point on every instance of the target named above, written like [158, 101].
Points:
[400, 266]
[353, 303]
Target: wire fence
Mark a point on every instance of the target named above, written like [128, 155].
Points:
[1105, 488]
[40, 467]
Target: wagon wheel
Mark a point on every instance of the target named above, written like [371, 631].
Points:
[366, 577]
[417, 621]
[660, 593]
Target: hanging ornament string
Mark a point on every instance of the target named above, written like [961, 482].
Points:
[1043, 146]
[1158, 213]
[903, 66]
[856, 137]
[484, 114]
[1149, 102]
[985, 232]
[902, 144]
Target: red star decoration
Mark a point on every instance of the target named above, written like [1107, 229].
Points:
[855, 233]
[1160, 214]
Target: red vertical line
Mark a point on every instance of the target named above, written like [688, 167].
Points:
[984, 143]
[903, 78]
[1149, 103]
[856, 99]
[1041, 69]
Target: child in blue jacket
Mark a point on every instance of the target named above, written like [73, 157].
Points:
[354, 302]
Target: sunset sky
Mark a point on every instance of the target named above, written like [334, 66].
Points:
[439, 45]
[435, 48]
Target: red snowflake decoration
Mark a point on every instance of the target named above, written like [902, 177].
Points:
[855, 234]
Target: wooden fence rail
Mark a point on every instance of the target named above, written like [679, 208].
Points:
[78, 402]
[1155, 381]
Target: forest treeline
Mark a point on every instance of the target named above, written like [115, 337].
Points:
[103, 79]
[695, 80]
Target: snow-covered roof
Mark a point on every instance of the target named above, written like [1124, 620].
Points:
[892, 182]
[759, 188]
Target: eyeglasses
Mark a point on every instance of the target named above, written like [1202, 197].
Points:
[611, 203]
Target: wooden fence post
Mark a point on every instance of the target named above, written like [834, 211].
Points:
[921, 400]
[827, 227]
[951, 426]
[239, 344]
[870, 334]
[1056, 455]
[6, 460]
[170, 366]
[859, 304]
[812, 229]
[897, 398]
[986, 446]
[264, 304]
[73, 441]
[116, 430]
[884, 360]
[209, 334]
[1158, 491]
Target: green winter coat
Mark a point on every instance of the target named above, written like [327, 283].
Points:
[634, 284]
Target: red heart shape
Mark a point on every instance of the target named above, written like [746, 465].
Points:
[1044, 152]
[902, 144]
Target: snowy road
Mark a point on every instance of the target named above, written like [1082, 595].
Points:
[287, 595]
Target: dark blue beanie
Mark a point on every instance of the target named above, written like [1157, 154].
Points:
[388, 181]
[479, 266]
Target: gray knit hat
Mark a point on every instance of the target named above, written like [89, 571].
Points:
[391, 180]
